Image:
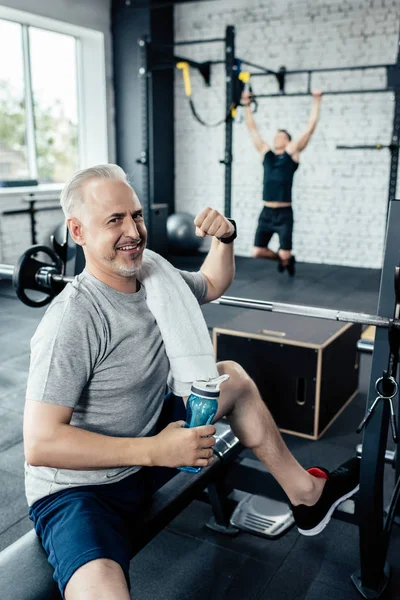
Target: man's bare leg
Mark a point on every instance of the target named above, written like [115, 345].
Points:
[284, 256]
[286, 261]
[264, 253]
[252, 423]
[100, 579]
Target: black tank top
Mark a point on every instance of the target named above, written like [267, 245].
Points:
[278, 177]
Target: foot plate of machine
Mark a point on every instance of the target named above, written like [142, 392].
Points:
[262, 516]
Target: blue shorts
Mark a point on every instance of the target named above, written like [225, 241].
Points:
[98, 521]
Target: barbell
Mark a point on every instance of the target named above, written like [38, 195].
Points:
[48, 278]
[32, 274]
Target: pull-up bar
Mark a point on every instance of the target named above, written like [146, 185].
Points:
[370, 147]
[190, 42]
[264, 70]
[317, 70]
[156, 60]
[392, 74]
[327, 93]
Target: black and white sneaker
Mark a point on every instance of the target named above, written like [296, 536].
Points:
[341, 484]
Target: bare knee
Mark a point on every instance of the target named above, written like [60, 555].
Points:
[242, 404]
[285, 254]
[97, 579]
[239, 380]
[257, 252]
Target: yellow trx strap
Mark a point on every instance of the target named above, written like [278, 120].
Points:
[243, 76]
[184, 67]
[186, 77]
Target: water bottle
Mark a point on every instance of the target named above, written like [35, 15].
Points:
[202, 406]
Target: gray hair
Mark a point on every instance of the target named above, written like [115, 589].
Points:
[71, 196]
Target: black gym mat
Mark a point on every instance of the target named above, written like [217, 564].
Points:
[290, 568]
[187, 561]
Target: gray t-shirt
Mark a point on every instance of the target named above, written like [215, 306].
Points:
[100, 352]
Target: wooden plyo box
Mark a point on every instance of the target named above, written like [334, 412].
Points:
[305, 368]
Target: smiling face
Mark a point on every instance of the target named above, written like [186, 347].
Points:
[111, 230]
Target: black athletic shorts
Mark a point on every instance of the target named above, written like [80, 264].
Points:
[275, 220]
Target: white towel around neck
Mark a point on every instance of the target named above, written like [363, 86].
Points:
[181, 322]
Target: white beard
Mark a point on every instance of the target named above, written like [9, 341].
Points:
[129, 271]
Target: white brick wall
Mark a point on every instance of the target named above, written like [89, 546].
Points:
[340, 197]
[15, 230]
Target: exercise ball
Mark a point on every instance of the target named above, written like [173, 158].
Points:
[182, 238]
[59, 234]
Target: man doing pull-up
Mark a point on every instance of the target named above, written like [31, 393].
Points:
[280, 166]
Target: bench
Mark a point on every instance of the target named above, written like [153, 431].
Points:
[25, 571]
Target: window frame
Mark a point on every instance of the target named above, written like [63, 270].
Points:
[91, 90]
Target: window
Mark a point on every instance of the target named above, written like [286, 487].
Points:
[55, 106]
[52, 98]
[13, 148]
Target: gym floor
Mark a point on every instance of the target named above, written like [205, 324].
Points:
[187, 560]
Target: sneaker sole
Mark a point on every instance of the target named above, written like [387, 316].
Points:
[321, 526]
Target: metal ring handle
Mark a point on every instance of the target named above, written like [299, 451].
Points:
[387, 379]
